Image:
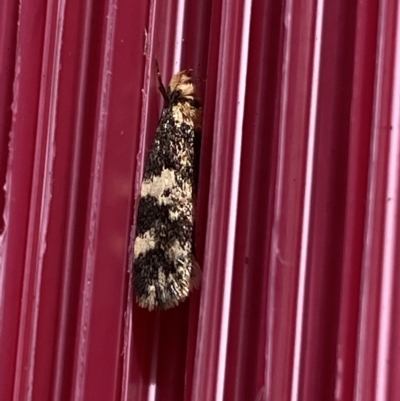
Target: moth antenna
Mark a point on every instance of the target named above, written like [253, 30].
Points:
[161, 86]
[198, 79]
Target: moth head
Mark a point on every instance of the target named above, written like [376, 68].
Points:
[182, 87]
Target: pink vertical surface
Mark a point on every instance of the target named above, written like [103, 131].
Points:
[297, 213]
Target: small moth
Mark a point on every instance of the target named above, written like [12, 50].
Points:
[164, 264]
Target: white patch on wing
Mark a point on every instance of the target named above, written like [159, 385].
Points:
[144, 243]
[156, 185]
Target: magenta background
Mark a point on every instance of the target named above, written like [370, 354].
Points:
[298, 210]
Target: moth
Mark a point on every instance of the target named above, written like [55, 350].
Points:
[165, 269]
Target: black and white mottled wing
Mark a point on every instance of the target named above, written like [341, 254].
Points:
[165, 269]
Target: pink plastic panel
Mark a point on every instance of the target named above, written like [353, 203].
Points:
[298, 204]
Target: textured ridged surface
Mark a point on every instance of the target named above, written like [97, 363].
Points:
[298, 203]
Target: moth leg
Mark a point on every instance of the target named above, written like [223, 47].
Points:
[161, 86]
